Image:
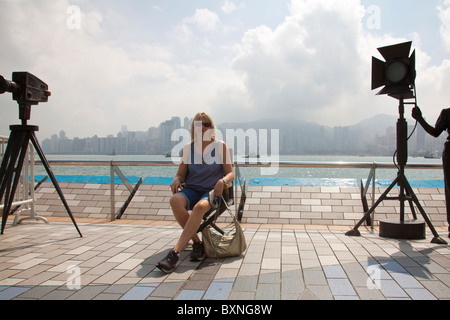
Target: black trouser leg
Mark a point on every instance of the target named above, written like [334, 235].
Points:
[446, 165]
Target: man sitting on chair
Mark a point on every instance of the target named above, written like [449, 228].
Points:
[205, 166]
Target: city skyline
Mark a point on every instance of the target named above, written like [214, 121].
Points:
[374, 136]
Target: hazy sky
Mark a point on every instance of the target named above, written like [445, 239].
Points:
[110, 63]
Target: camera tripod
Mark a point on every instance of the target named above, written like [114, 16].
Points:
[12, 164]
[406, 193]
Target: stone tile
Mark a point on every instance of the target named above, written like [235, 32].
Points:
[406, 280]
[80, 250]
[58, 294]
[28, 264]
[314, 277]
[334, 272]
[138, 292]
[341, 287]
[110, 277]
[36, 292]
[167, 289]
[420, 294]
[119, 289]
[271, 263]
[268, 291]
[245, 283]
[107, 296]
[190, 295]
[391, 289]
[218, 290]
[129, 264]
[88, 292]
[320, 292]
[307, 295]
[269, 276]
[236, 295]
[12, 292]
[437, 289]
[292, 285]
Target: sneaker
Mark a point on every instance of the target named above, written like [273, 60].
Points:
[198, 251]
[167, 265]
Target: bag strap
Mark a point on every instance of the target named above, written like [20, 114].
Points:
[229, 210]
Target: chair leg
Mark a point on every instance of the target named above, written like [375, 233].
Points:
[209, 219]
[217, 228]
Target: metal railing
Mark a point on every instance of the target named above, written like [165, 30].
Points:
[115, 170]
[24, 198]
[285, 164]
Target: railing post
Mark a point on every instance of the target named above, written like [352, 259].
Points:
[113, 171]
[364, 189]
[373, 191]
[112, 188]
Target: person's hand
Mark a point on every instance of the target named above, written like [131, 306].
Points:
[218, 189]
[176, 185]
[416, 113]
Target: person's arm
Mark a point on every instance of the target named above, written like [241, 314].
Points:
[181, 175]
[417, 114]
[228, 170]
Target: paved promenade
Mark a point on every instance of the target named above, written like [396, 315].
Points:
[116, 261]
[291, 205]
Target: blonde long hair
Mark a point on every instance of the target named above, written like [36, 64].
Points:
[203, 117]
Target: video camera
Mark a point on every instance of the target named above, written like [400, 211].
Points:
[27, 90]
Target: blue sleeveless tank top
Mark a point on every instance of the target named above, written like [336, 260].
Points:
[204, 171]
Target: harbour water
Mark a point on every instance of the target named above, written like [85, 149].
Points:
[250, 172]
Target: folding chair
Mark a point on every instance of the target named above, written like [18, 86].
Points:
[211, 216]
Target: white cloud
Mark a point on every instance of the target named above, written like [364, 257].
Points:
[310, 66]
[96, 85]
[228, 7]
[433, 81]
[315, 65]
[203, 20]
[444, 15]
[182, 33]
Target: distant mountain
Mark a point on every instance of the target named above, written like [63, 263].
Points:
[377, 124]
[269, 124]
[310, 137]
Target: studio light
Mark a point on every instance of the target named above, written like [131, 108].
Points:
[398, 73]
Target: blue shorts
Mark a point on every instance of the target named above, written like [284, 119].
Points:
[193, 197]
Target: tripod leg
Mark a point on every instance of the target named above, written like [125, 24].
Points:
[437, 239]
[402, 198]
[411, 204]
[354, 231]
[9, 161]
[5, 161]
[17, 173]
[15, 147]
[39, 151]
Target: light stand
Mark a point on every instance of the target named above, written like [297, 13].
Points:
[401, 229]
[397, 74]
[28, 90]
